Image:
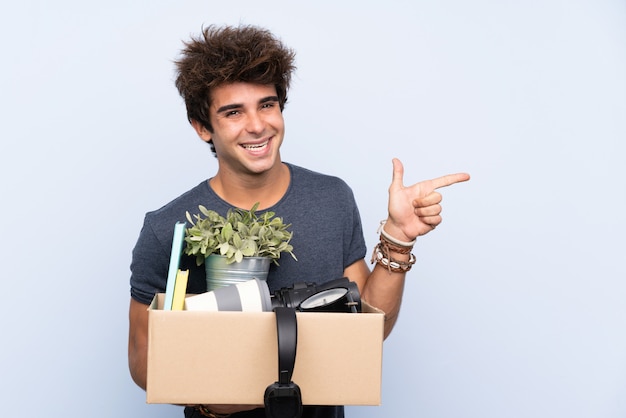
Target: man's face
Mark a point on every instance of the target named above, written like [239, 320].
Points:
[248, 127]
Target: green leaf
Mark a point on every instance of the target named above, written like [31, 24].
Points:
[227, 232]
[223, 248]
[236, 240]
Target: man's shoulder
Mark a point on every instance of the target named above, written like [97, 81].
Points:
[308, 176]
[175, 210]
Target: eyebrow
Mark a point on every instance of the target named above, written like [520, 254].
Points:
[233, 106]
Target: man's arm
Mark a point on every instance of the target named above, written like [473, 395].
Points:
[413, 211]
[138, 342]
[379, 288]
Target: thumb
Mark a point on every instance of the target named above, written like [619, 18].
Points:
[398, 174]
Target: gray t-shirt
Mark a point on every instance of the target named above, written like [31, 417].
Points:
[327, 238]
[326, 225]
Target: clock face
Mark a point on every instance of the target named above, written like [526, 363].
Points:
[325, 297]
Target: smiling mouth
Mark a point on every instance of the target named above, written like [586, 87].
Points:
[255, 147]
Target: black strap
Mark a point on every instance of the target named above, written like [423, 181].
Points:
[283, 398]
[287, 330]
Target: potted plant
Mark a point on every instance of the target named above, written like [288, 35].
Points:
[237, 247]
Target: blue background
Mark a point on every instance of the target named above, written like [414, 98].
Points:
[516, 305]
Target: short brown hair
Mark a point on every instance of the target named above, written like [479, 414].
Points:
[222, 55]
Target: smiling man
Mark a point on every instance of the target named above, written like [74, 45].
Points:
[247, 130]
[234, 81]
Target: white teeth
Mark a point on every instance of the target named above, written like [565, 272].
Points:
[257, 146]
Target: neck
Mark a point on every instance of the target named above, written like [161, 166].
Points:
[244, 190]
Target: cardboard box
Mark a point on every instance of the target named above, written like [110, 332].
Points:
[197, 357]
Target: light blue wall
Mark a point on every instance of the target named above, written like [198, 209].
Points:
[516, 306]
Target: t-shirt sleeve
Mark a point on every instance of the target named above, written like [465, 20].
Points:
[354, 242]
[149, 265]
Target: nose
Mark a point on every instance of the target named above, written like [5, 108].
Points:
[255, 123]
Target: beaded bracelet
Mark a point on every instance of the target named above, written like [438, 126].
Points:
[392, 265]
[390, 244]
[206, 412]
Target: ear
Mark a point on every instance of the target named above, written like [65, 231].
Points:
[201, 130]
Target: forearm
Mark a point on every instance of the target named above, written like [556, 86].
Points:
[383, 289]
[138, 343]
[385, 284]
[137, 363]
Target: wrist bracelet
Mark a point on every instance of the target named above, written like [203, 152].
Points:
[389, 246]
[206, 412]
[381, 231]
[392, 265]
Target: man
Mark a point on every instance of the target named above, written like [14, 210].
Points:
[234, 81]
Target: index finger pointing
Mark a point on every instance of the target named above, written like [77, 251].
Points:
[449, 179]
